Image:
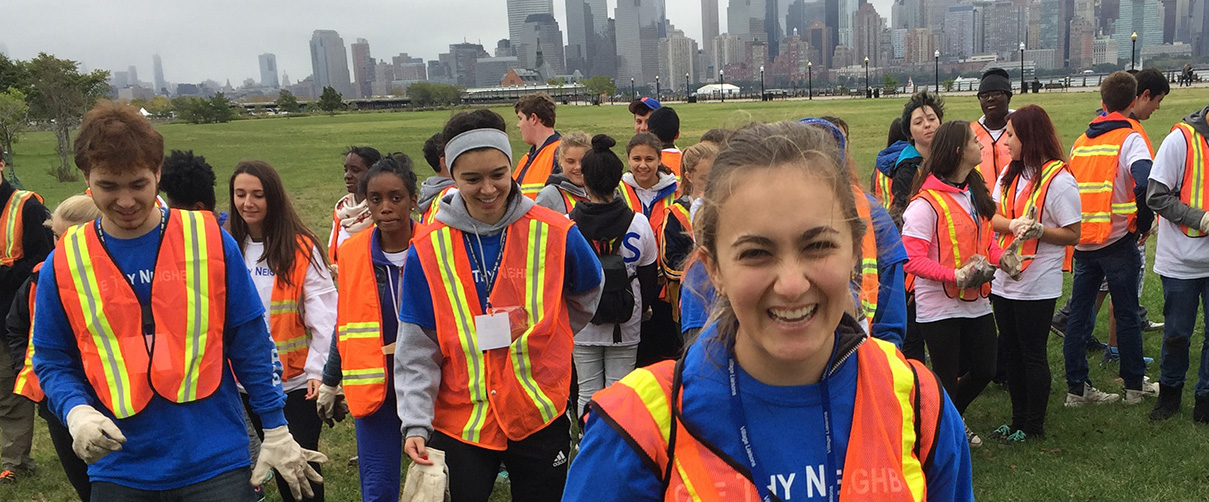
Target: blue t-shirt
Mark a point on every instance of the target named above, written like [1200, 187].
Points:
[890, 320]
[696, 297]
[167, 445]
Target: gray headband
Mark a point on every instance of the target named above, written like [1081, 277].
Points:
[475, 139]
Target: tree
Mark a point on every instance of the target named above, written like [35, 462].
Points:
[286, 102]
[14, 117]
[600, 85]
[220, 109]
[330, 100]
[559, 81]
[948, 84]
[889, 82]
[430, 94]
[59, 95]
[160, 107]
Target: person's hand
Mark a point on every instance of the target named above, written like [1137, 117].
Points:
[330, 404]
[1205, 223]
[279, 451]
[312, 387]
[1027, 227]
[334, 269]
[427, 482]
[974, 273]
[414, 447]
[1012, 262]
[93, 435]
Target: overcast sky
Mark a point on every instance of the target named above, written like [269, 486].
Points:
[221, 39]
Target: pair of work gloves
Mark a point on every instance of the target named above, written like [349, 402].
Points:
[94, 435]
[979, 271]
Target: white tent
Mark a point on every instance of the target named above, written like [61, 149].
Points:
[144, 112]
[718, 89]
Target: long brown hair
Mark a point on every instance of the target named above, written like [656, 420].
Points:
[1039, 143]
[948, 147]
[283, 229]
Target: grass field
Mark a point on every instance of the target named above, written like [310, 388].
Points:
[1101, 454]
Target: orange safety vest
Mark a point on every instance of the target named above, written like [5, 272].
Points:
[174, 346]
[1012, 205]
[881, 188]
[673, 274]
[954, 229]
[1193, 189]
[431, 213]
[488, 398]
[995, 155]
[531, 173]
[11, 249]
[570, 199]
[868, 273]
[657, 214]
[285, 314]
[895, 418]
[359, 328]
[670, 157]
[1094, 163]
[27, 382]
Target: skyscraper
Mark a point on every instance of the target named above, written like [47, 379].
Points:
[709, 26]
[134, 75]
[677, 58]
[520, 10]
[329, 63]
[1145, 17]
[364, 69]
[268, 70]
[157, 66]
[541, 30]
[639, 26]
[867, 34]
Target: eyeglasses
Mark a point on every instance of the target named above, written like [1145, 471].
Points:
[991, 95]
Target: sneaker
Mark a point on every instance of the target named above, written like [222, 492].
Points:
[1016, 437]
[1149, 326]
[1091, 395]
[259, 491]
[1111, 355]
[1149, 389]
[1002, 432]
[8, 476]
[1059, 331]
[974, 440]
[1095, 345]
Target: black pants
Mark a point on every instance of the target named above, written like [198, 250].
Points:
[913, 341]
[1023, 332]
[965, 348]
[304, 426]
[76, 469]
[660, 336]
[537, 465]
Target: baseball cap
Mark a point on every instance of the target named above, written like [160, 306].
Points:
[644, 105]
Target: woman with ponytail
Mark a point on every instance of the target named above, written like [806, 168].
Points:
[951, 252]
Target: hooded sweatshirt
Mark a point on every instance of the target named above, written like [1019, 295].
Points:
[903, 178]
[429, 190]
[1176, 255]
[888, 157]
[418, 355]
[662, 188]
[550, 198]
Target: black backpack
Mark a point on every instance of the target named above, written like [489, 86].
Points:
[617, 300]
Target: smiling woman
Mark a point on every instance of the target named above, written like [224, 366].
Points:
[783, 376]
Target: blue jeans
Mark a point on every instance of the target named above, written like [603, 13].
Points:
[230, 486]
[1118, 263]
[1181, 297]
[380, 452]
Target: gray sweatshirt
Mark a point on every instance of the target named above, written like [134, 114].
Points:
[417, 352]
[550, 196]
[429, 190]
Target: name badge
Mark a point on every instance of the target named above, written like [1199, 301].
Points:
[493, 331]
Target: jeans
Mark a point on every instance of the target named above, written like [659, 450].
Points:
[1023, 331]
[380, 452]
[537, 465]
[304, 424]
[1181, 297]
[599, 367]
[1118, 263]
[230, 486]
[963, 354]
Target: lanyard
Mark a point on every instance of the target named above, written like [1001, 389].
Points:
[739, 418]
[148, 319]
[488, 275]
[163, 224]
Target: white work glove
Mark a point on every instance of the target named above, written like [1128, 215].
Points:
[1027, 227]
[93, 435]
[330, 404]
[279, 451]
[1204, 223]
[1011, 262]
[427, 483]
[975, 273]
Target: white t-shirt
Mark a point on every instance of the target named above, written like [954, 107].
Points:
[1176, 255]
[1133, 149]
[1042, 279]
[637, 249]
[931, 302]
[318, 306]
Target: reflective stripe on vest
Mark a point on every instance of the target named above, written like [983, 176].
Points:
[27, 382]
[569, 199]
[894, 399]
[431, 213]
[954, 229]
[1012, 205]
[187, 313]
[656, 214]
[359, 327]
[1094, 164]
[14, 229]
[532, 173]
[285, 314]
[487, 398]
[1193, 187]
[881, 188]
[869, 284]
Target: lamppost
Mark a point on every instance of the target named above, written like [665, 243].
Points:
[657, 96]
[686, 86]
[1133, 50]
[1023, 84]
[936, 56]
[722, 84]
[633, 94]
[868, 93]
[762, 98]
[810, 81]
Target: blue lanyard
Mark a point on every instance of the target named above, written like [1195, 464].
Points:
[739, 418]
[480, 263]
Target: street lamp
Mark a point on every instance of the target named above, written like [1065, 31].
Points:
[686, 86]
[762, 98]
[722, 85]
[1133, 49]
[633, 94]
[936, 56]
[810, 75]
[657, 96]
[868, 92]
[1023, 84]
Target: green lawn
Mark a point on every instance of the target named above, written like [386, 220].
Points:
[1102, 454]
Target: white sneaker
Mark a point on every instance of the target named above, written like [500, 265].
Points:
[1091, 395]
[973, 439]
[1149, 389]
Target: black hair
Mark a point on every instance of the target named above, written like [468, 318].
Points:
[481, 118]
[1151, 80]
[920, 100]
[398, 164]
[897, 132]
[434, 149]
[601, 167]
[369, 155]
[664, 123]
[187, 180]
